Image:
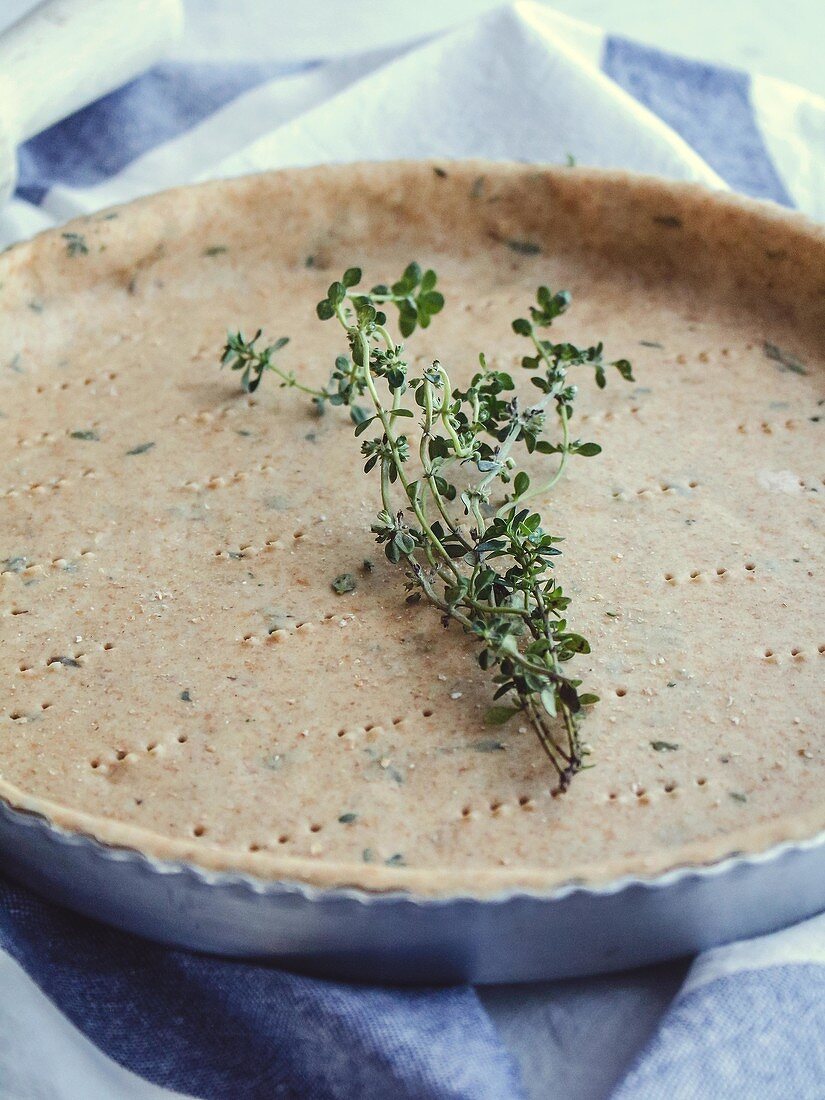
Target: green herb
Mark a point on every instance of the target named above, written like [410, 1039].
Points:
[241, 354]
[347, 819]
[75, 244]
[89, 435]
[215, 250]
[367, 565]
[737, 796]
[15, 565]
[570, 160]
[395, 861]
[485, 564]
[141, 449]
[488, 745]
[784, 360]
[525, 248]
[185, 696]
[343, 583]
[368, 855]
[664, 746]
[651, 344]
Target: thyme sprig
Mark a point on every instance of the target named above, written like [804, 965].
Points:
[241, 354]
[486, 564]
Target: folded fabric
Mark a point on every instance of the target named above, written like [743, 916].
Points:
[749, 1021]
[227, 1028]
[123, 1018]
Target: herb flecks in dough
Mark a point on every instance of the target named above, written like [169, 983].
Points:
[669, 221]
[75, 244]
[524, 248]
[453, 501]
[783, 359]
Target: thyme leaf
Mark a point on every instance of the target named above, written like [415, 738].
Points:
[243, 355]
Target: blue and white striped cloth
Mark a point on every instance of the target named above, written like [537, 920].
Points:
[88, 1013]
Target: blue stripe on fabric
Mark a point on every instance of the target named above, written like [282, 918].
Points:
[102, 139]
[218, 1028]
[709, 106]
[758, 1033]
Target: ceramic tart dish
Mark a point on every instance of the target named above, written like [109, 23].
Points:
[203, 742]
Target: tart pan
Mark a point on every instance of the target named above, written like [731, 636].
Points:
[499, 923]
[398, 937]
